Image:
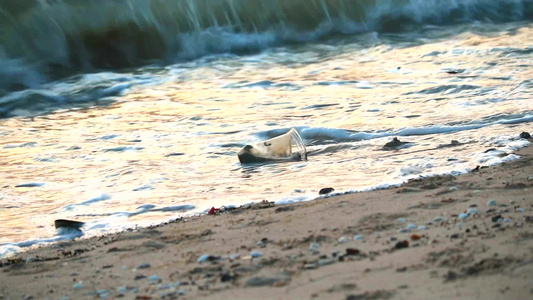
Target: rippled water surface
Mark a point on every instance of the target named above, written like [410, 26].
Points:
[146, 145]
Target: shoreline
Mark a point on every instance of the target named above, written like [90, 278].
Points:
[363, 245]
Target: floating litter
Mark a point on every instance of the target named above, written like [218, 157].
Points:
[286, 147]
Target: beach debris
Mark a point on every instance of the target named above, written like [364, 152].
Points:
[325, 191]
[394, 144]
[411, 226]
[342, 240]
[525, 135]
[472, 211]
[285, 147]
[401, 245]
[143, 266]
[256, 254]
[273, 280]
[313, 247]
[78, 285]
[62, 223]
[208, 258]
[439, 219]
[415, 237]
[358, 237]
[30, 185]
[213, 211]
[352, 251]
[492, 202]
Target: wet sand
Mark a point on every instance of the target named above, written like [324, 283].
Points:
[355, 246]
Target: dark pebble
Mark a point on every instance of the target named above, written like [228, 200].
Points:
[61, 223]
[496, 218]
[401, 245]
[525, 135]
[325, 191]
[144, 266]
[455, 236]
[139, 277]
[107, 267]
[226, 277]
[352, 251]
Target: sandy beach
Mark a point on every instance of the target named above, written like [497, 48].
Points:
[444, 237]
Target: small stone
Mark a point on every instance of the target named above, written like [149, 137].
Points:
[122, 289]
[472, 211]
[352, 251]
[154, 279]
[411, 226]
[226, 277]
[507, 220]
[525, 135]
[496, 218]
[492, 202]
[326, 191]
[422, 227]
[454, 189]
[107, 266]
[520, 210]
[401, 220]
[310, 266]
[401, 245]
[404, 230]
[139, 277]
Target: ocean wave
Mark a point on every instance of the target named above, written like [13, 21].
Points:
[45, 39]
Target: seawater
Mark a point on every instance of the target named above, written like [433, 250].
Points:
[134, 116]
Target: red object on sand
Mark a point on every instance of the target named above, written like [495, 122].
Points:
[213, 211]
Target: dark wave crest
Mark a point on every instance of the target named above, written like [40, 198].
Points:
[54, 38]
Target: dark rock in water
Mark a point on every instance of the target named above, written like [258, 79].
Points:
[325, 191]
[394, 144]
[61, 223]
[525, 135]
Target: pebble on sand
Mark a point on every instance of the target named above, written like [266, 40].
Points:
[492, 202]
[358, 237]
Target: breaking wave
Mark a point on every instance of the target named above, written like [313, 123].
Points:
[47, 39]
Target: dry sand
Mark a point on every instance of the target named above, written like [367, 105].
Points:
[307, 250]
